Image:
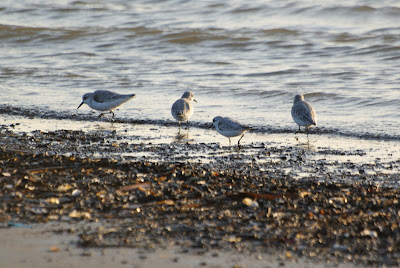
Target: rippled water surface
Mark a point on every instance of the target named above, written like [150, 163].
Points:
[245, 59]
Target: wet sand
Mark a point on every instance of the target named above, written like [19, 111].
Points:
[144, 193]
[42, 245]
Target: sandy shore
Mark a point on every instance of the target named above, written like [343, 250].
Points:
[42, 245]
[105, 194]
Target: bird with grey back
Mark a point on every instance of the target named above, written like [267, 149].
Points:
[104, 100]
[229, 127]
[182, 109]
[303, 113]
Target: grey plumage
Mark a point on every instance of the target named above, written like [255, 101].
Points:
[303, 113]
[182, 109]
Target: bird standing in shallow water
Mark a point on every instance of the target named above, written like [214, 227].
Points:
[229, 127]
[303, 113]
[104, 100]
[182, 109]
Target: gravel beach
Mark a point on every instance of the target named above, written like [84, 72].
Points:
[130, 188]
[145, 191]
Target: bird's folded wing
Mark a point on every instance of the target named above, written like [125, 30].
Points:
[103, 96]
[304, 114]
[229, 125]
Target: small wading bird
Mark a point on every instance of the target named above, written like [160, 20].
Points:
[182, 109]
[104, 100]
[303, 113]
[229, 127]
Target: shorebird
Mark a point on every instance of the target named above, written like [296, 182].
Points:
[229, 127]
[182, 109]
[104, 100]
[303, 113]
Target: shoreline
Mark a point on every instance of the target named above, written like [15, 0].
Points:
[92, 117]
[324, 202]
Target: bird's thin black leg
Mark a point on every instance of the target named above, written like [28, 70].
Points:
[239, 141]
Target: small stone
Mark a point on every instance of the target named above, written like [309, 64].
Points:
[76, 192]
[54, 249]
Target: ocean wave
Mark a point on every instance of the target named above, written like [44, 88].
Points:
[322, 96]
[280, 32]
[44, 34]
[263, 94]
[245, 9]
[283, 72]
[376, 49]
[32, 73]
[193, 36]
[362, 9]
[355, 10]
[49, 34]
[380, 103]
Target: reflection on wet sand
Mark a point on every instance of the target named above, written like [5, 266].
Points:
[305, 144]
[181, 137]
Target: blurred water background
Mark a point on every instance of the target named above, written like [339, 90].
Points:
[245, 59]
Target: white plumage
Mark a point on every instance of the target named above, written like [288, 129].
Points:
[229, 127]
[104, 100]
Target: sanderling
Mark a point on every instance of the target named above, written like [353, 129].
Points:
[104, 100]
[229, 127]
[302, 113]
[182, 109]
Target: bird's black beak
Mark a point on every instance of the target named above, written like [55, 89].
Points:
[195, 100]
[80, 105]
